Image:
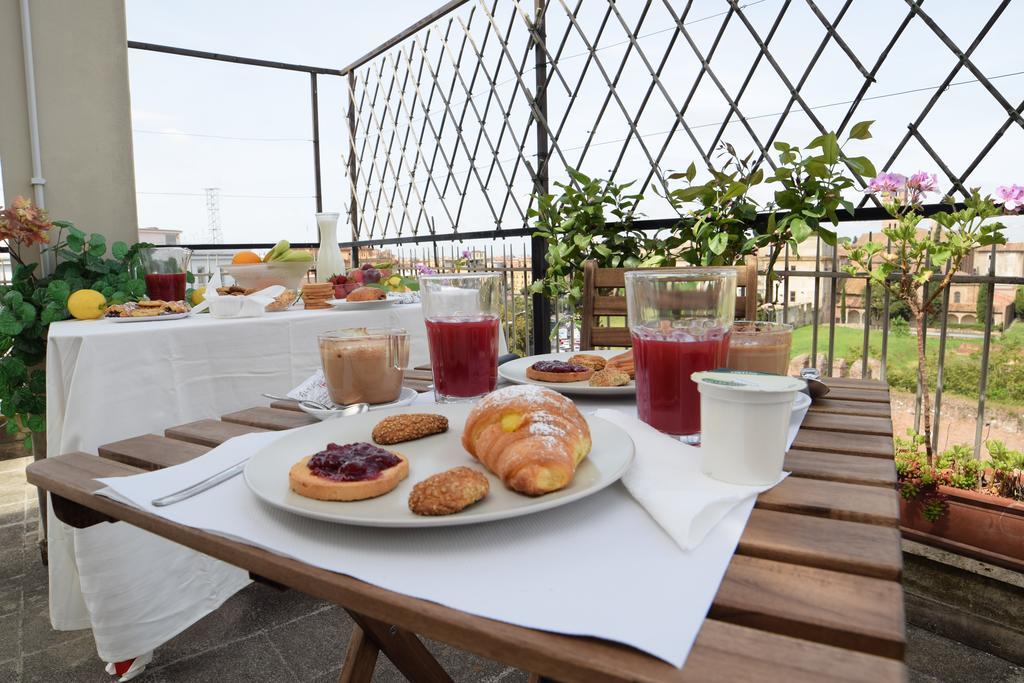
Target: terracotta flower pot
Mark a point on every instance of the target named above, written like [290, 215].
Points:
[988, 528]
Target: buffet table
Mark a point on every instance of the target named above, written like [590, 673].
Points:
[812, 592]
[108, 381]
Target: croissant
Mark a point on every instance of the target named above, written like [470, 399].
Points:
[529, 436]
[624, 363]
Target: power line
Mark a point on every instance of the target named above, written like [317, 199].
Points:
[217, 137]
[232, 196]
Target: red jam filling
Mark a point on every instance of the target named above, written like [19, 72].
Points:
[352, 462]
[557, 366]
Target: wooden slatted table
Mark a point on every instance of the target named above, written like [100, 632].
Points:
[812, 593]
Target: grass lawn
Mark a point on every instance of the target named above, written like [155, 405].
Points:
[902, 350]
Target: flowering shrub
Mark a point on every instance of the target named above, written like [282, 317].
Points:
[920, 264]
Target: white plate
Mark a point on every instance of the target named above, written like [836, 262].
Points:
[343, 305]
[148, 318]
[267, 471]
[406, 397]
[515, 371]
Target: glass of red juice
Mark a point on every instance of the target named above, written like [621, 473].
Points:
[462, 312]
[164, 269]
[679, 322]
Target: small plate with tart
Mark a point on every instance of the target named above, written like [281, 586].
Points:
[436, 461]
[585, 373]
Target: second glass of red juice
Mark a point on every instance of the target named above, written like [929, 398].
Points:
[462, 312]
[165, 269]
[679, 322]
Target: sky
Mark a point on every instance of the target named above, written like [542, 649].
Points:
[247, 131]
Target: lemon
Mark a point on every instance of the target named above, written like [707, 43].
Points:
[198, 296]
[86, 304]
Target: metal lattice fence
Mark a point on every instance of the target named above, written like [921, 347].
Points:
[455, 123]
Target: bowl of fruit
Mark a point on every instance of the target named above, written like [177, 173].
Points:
[380, 276]
[281, 266]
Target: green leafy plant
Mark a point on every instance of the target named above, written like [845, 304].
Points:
[590, 219]
[1007, 470]
[719, 215]
[811, 182]
[30, 303]
[908, 267]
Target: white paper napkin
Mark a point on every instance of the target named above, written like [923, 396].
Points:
[248, 306]
[666, 480]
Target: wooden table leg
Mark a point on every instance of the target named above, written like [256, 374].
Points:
[403, 648]
[360, 660]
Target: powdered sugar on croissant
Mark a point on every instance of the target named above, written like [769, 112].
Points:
[531, 437]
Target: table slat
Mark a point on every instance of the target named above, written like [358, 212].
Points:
[151, 451]
[209, 432]
[856, 612]
[841, 407]
[834, 500]
[850, 469]
[848, 424]
[270, 418]
[855, 383]
[851, 547]
[856, 394]
[875, 446]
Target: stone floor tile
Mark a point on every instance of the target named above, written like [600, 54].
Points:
[314, 644]
[10, 670]
[930, 657]
[73, 661]
[37, 633]
[10, 600]
[12, 535]
[12, 482]
[253, 659]
[10, 642]
[13, 560]
[12, 511]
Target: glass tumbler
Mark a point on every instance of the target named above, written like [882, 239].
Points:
[679, 321]
[364, 365]
[165, 269]
[462, 312]
[760, 347]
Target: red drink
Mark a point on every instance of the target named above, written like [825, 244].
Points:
[666, 397]
[166, 286]
[463, 355]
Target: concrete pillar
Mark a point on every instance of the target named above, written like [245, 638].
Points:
[81, 74]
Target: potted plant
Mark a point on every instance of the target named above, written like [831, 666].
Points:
[920, 264]
[30, 303]
[972, 507]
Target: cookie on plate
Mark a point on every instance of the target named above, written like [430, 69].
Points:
[448, 492]
[408, 427]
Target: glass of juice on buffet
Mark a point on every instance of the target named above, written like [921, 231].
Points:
[165, 269]
[679, 321]
[364, 365]
[760, 347]
[462, 313]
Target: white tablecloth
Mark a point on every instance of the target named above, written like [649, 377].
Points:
[107, 381]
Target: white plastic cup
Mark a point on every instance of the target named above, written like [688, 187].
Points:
[744, 424]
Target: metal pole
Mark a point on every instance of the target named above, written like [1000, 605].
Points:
[315, 105]
[353, 170]
[986, 347]
[538, 262]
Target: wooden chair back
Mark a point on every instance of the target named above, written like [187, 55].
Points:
[599, 303]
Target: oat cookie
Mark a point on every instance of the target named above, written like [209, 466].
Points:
[407, 427]
[448, 492]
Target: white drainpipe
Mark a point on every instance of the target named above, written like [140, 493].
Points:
[38, 181]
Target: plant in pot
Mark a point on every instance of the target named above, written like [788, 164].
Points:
[590, 219]
[719, 225]
[920, 263]
[30, 303]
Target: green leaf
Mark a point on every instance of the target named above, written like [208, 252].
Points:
[799, 229]
[863, 166]
[10, 326]
[718, 243]
[691, 172]
[37, 423]
[861, 131]
[75, 244]
[58, 291]
[27, 313]
[190, 276]
[119, 250]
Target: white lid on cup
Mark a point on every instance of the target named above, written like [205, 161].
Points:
[747, 382]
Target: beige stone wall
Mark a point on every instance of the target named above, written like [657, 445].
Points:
[81, 67]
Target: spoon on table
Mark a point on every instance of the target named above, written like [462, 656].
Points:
[234, 470]
[309, 403]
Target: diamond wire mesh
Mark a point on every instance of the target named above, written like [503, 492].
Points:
[446, 122]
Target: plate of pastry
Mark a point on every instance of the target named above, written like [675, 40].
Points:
[603, 373]
[519, 450]
[146, 310]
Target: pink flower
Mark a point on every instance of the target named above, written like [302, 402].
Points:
[24, 223]
[424, 269]
[923, 182]
[466, 254]
[1012, 197]
[887, 183]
